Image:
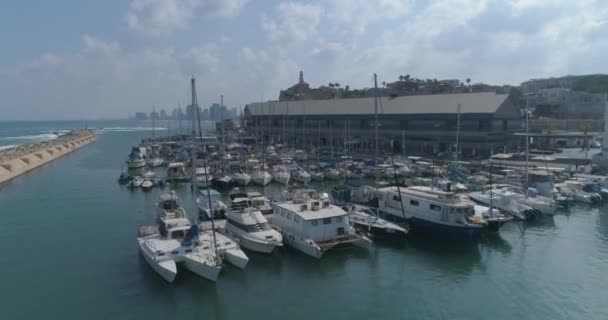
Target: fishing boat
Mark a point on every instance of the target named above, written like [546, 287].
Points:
[176, 172]
[366, 220]
[312, 225]
[428, 210]
[246, 223]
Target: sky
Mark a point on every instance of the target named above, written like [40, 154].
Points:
[107, 59]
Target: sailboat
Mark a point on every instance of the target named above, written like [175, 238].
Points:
[155, 160]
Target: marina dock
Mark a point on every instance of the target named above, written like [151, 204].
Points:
[19, 160]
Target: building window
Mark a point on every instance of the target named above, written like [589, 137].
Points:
[435, 207]
[326, 220]
[414, 203]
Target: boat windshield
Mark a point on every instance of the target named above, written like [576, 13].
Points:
[264, 226]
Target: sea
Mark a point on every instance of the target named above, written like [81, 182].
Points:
[69, 251]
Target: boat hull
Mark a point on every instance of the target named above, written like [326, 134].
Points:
[167, 269]
[423, 226]
[201, 267]
[236, 257]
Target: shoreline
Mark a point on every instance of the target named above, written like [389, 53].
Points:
[24, 158]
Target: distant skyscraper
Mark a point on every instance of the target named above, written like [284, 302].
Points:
[163, 114]
[141, 116]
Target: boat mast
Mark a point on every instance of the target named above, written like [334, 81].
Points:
[527, 147]
[153, 124]
[200, 132]
[457, 133]
[376, 125]
[491, 192]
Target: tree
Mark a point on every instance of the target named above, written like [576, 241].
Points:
[407, 77]
[400, 78]
[331, 85]
[468, 81]
[384, 84]
[337, 85]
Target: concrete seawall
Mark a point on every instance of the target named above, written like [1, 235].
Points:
[22, 159]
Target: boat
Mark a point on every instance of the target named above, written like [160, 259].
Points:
[281, 175]
[505, 203]
[201, 179]
[136, 161]
[317, 175]
[227, 247]
[241, 178]
[175, 240]
[155, 162]
[147, 185]
[494, 218]
[124, 178]
[261, 177]
[312, 225]
[250, 227]
[176, 172]
[333, 174]
[136, 182]
[218, 210]
[222, 182]
[366, 220]
[362, 195]
[428, 210]
[300, 175]
[260, 202]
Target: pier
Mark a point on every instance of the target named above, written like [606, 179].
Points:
[19, 160]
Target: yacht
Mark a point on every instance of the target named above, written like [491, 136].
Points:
[260, 202]
[427, 209]
[136, 161]
[300, 175]
[218, 210]
[155, 162]
[147, 185]
[281, 175]
[261, 177]
[175, 240]
[246, 223]
[222, 181]
[366, 220]
[311, 224]
[317, 175]
[505, 203]
[200, 177]
[176, 172]
[136, 182]
[241, 178]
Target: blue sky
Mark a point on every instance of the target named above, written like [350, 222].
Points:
[105, 59]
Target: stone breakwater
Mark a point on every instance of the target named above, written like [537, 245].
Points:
[19, 160]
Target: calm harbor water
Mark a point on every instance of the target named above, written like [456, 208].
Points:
[69, 251]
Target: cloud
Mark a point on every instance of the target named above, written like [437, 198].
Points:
[96, 45]
[295, 22]
[201, 59]
[352, 17]
[162, 17]
[328, 52]
[224, 39]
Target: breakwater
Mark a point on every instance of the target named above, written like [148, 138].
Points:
[19, 160]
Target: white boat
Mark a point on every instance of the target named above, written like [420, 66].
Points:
[136, 182]
[281, 175]
[311, 224]
[175, 240]
[155, 162]
[176, 172]
[260, 202]
[147, 185]
[300, 155]
[333, 174]
[300, 175]
[429, 210]
[136, 161]
[227, 247]
[218, 208]
[202, 177]
[241, 178]
[364, 219]
[261, 177]
[246, 223]
[504, 203]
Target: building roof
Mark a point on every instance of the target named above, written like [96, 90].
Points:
[481, 102]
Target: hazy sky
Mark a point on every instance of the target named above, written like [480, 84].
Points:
[102, 59]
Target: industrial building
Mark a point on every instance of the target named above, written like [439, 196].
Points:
[417, 124]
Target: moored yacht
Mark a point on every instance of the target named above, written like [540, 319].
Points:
[176, 172]
[300, 175]
[261, 177]
[426, 209]
[366, 220]
[241, 178]
[246, 223]
[312, 225]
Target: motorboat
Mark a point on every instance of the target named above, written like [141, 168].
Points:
[155, 162]
[333, 174]
[281, 175]
[494, 217]
[260, 202]
[505, 203]
[241, 178]
[136, 161]
[366, 220]
[147, 185]
[312, 225]
[261, 177]
[202, 177]
[428, 210]
[222, 181]
[176, 172]
[317, 175]
[136, 182]
[300, 175]
[246, 223]
[218, 208]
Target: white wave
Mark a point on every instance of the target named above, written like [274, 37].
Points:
[7, 147]
[60, 132]
[130, 129]
[34, 137]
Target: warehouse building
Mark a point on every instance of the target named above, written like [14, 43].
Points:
[412, 125]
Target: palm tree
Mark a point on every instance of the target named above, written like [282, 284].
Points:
[407, 77]
[400, 78]
[468, 80]
[337, 85]
[331, 85]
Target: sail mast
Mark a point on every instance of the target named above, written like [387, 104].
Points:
[376, 125]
